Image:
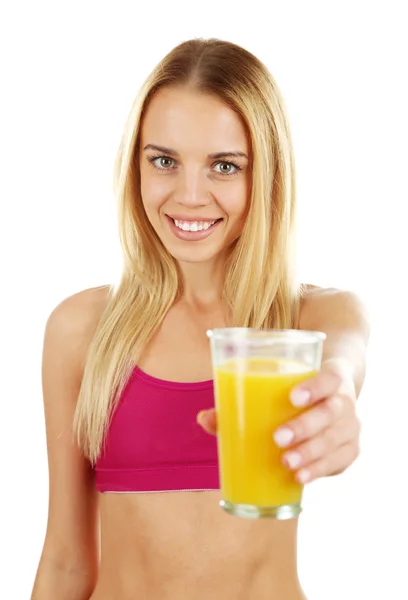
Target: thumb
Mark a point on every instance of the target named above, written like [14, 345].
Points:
[208, 421]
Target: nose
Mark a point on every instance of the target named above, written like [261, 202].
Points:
[192, 190]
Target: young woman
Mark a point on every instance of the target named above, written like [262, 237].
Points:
[205, 182]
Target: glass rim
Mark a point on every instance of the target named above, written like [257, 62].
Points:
[271, 335]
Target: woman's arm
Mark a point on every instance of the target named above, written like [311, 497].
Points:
[344, 318]
[69, 561]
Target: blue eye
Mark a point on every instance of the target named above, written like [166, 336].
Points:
[230, 164]
[152, 160]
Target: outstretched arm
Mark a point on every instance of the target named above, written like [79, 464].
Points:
[342, 316]
[324, 440]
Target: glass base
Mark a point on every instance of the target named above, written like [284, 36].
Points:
[248, 511]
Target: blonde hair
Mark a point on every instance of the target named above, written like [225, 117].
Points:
[260, 287]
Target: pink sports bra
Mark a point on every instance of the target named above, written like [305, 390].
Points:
[154, 443]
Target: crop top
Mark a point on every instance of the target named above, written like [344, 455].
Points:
[154, 443]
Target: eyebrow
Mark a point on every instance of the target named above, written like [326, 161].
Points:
[227, 154]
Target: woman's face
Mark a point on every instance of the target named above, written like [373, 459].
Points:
[195, 201]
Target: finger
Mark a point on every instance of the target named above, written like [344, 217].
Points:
[208, 420]
[326, 383]
[311, 422]
[325, 443]
[332, 464]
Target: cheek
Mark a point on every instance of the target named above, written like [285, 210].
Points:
[153, 194]
[235, 204]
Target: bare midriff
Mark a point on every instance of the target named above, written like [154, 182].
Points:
[183, 546]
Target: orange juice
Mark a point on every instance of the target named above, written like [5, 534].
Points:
[252, 400]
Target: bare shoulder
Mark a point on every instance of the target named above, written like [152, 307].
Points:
[319, 305]
[312, 291]
[315, 295]
[85, 306]
[76, 317]
[71, 543]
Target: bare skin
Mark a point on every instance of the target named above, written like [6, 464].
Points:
[157, 546]
[171, 545]
[183, 545]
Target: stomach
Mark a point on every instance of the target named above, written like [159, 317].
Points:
[182, 545]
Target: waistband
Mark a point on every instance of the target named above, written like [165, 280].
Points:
[159, 479]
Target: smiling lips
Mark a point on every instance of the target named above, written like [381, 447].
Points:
[189, 230]
[193, 225]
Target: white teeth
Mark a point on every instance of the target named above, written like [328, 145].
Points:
[193, 225]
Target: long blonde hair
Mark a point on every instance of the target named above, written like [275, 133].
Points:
[260, 290]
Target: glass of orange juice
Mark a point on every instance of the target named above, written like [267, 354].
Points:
[254, 372]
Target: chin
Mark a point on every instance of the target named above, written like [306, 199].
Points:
[192, 255]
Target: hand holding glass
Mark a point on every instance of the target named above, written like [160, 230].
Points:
[254, 372]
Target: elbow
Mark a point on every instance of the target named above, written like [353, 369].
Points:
[63, 580]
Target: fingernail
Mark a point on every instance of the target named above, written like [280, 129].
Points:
[293, 460]
[283, 436]
[300, 397]
[303, 476]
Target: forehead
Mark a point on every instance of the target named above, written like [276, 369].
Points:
[191, 121]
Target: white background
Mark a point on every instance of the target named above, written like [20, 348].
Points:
[69, 74]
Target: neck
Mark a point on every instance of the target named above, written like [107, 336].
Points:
[202, 283]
